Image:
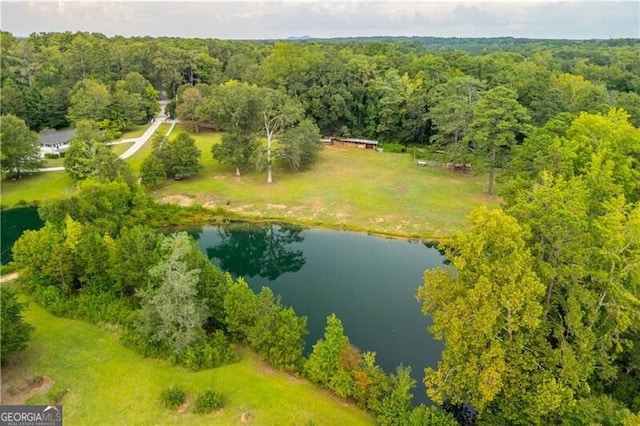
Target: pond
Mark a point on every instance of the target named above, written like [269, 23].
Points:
[368, 282]
[13, 223]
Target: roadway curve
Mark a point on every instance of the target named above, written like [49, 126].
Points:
[137, 142]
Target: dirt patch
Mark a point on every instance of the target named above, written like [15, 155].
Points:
[180, 200]
[184, 406]
[20, 391]
[8, 277]
[486, 198]
[276, 206]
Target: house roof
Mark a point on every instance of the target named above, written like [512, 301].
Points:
[53, 137]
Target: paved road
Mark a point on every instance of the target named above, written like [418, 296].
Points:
[137, 142]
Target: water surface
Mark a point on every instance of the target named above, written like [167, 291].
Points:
[369, 282]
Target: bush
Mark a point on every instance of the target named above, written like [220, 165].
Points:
[173, 397]
[15, 332]
[209, 401]
[213, 353]
[393, 147]
[433, 416]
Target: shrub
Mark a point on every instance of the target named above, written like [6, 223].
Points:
[213, 353]
[173, 397]
[209, 401]
[393, 147]
[15, 332]
[434, 416]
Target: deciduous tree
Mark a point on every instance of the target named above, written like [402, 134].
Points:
[487, 307]
[20, 149]
[90, 100]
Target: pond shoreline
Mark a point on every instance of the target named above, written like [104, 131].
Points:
[221, 215]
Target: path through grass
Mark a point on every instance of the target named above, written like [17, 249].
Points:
[109, 384]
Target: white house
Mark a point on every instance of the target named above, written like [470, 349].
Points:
[55, 141]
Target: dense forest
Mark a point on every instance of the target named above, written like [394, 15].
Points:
[539, 308]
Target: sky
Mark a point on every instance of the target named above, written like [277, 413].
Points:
[576, 19]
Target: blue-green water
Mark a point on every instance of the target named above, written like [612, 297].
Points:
[369, 282]
[13, 223]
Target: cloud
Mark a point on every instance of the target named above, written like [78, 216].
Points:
[280, 19]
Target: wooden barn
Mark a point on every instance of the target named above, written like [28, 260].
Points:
[360, 143]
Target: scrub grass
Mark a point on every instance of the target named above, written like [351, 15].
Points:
[348, 188]
[101, 382]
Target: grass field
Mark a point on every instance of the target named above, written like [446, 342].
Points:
[136, 160]
[37, 187]
[135, 132]
[109, 384]
[120, 148]
[348, 187]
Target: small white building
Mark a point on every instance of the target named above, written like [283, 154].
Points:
[55, 141]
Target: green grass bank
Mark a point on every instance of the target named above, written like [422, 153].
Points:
[106, 383]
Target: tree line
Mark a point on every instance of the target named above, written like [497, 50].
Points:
[384, 89]
[540, 306]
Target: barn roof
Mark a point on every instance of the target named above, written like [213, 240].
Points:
[355, 140]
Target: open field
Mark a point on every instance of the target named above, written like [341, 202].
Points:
[348, 187]
[109, 384]
[54, 162]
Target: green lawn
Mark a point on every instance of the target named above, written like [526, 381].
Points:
[136, 160]
[54, 162]
[348, 187]
[120, 148]
[37, 187]
[109, 384]
[135, 132]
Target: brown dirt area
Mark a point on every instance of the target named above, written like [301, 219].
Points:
[17, 392]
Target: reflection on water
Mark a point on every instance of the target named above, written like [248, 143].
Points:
[369, 282]
[14, 223]
[265, 251]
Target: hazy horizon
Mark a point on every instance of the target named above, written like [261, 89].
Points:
[259, 20]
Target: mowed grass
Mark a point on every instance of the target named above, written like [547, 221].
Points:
[109, 384]
[37, 187]
[120, 148]
[135, 132]
[348, 187]
[135, 161]
[52, 185]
